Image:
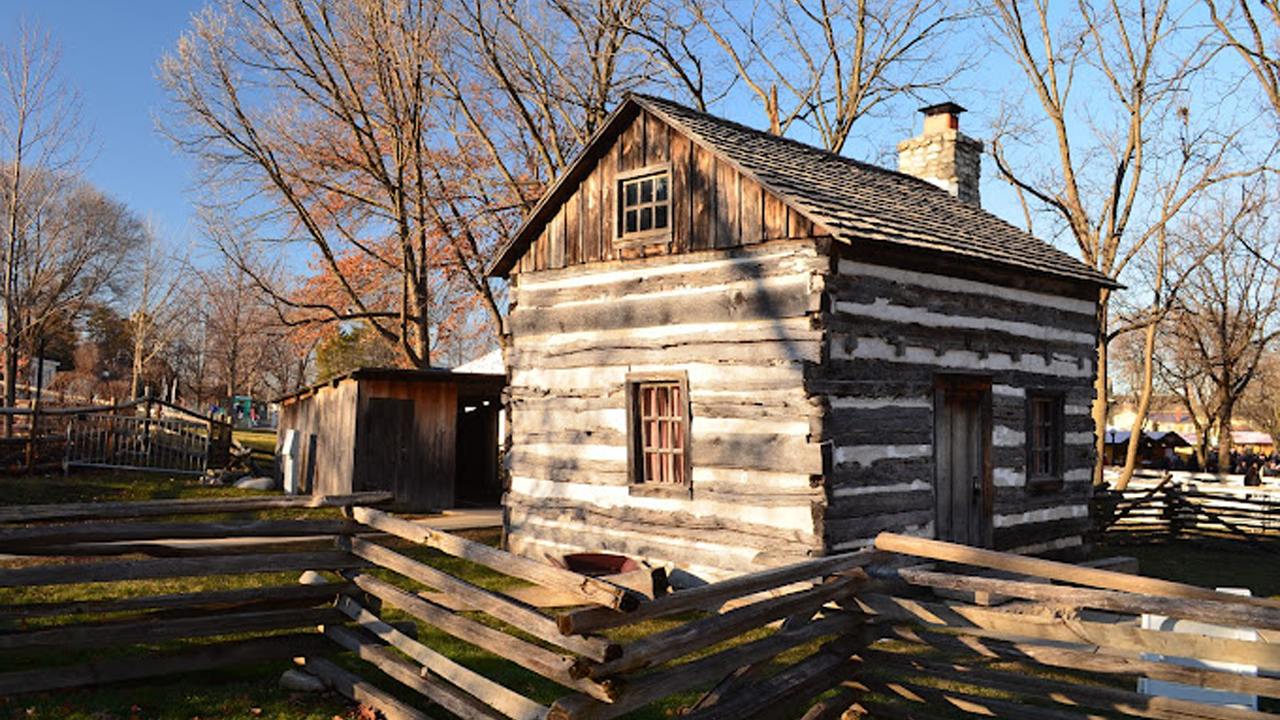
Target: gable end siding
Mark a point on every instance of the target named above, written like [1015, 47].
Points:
[712, 204]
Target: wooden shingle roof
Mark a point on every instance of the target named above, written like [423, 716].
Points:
[856, 202]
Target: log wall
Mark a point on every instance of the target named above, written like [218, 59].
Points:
[738, 322]
[891, 332]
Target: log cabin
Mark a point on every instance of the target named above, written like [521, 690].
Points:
[730, 350]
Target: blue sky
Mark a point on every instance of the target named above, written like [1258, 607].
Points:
[110, 51]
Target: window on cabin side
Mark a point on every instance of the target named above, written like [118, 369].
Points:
[645, 205]
[1045, 436]
[660, 431]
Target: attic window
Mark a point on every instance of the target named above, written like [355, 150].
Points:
[644, 204]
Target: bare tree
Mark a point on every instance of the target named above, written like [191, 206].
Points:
[1253, 31]
[828, 63]
[319, 114]
[157, 313]
[1225, 320]
[1125, 136]
[41, 148]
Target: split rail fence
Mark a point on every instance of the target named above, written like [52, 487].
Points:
[872, 632]
[1175, 508]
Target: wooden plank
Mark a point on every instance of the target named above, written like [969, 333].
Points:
[184, 506]
[361, 691]
[117, 570]
[608, 201]
[368, 648]
[631, 144]
[657, 142]
[1097, 662]
[283, 595]
[521, 616]
[702, 633]
[79, 637]
[592, 220]
[752, 212]
[1228, 613]
[1049, 626]
[654, 686]
[1066, 693]
[573, 227]
[1106, 579]
[713, 595]
[556, 240]
[192, 659]
[20, 537]
[774, 217]
[727, 224]
[702, 195]
[681, 192]
[798, 225]
[790, 689]
[536, 659]
[590, 590]
[500, 698]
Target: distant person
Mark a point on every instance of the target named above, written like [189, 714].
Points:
[1251, 476]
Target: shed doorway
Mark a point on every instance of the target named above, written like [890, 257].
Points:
[962, 460]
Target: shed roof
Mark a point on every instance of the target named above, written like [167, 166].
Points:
[471, 383]
[857, 202]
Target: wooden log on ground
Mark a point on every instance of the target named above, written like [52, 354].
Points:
[521, 616]
[183, 506]
[117, 570]
[532, 657]
[1066, 693]
[256, 597]
[1058, 596]
[699, 634]
[1051, 626]
[654, 686]
[360, 690]
[192, 659]
[80, 637]
[506, 701]
[368, 648]
[1095, 662]
[590, 590]
[1108, 580]
[715, 594]
[18, 539]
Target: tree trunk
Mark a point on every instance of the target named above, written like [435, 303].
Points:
[1224, 437]
[1144, 404]
[1100, 390]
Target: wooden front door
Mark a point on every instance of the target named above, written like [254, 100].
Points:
[962, 461]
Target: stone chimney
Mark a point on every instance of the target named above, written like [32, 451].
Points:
[942, 155]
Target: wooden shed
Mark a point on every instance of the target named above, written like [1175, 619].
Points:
[729, 349]
[429, 436]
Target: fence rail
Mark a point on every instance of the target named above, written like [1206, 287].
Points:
[145, 434]
[1173, 507]
[872, 632]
